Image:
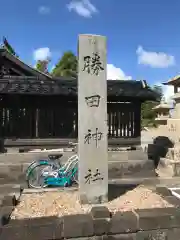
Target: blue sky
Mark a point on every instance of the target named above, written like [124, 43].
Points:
[143, 36]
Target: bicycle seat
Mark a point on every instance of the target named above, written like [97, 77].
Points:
[55, 156]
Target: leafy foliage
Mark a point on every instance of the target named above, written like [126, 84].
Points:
[148, 115]
[159, 91]
[67, 66]
[42, 66]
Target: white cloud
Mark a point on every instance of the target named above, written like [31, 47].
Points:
[114, 73]
[42, 54]
[44, 10]
[168, 92]
[154, 59]
[83, 8]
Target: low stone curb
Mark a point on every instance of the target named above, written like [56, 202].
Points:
[8, 200]
[167, 195]
[163, 191]
[43, 190]
[7, 205]
[98, 224]
[5, 213]
[11, 199]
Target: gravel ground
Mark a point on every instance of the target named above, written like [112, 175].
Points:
[65, 203]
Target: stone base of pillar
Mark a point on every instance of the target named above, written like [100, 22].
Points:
[84, 199]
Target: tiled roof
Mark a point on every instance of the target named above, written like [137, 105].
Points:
[68, 87]
[173, 81]
[162, 106]
[34, 72]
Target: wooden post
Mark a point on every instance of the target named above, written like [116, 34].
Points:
[92, 119]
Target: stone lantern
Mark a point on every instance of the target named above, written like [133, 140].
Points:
[162, 112]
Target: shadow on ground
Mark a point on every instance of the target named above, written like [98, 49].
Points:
[117, 190]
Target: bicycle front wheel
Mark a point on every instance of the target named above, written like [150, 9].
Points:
[36, 178]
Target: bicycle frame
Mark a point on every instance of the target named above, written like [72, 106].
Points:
[54, 176]
[42, 161]
[50, 162]
[67, 165]
[64, 181]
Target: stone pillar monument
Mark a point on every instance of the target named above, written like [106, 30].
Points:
[92, 119]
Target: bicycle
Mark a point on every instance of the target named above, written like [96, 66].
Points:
[52, 172]
[52, 158]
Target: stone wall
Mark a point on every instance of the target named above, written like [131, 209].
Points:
[171, 131]
[8, 201]
[15, 173]
[145, 224]
[123, 155]
[121, 164]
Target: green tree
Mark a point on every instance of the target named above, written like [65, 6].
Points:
[158, 89]
[42, 66]
[67, 66]
[148, 115]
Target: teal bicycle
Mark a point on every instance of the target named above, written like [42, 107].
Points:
[50, 173]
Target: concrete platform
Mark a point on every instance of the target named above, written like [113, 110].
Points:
[132, 163]
[15, 157]
[15, 173]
